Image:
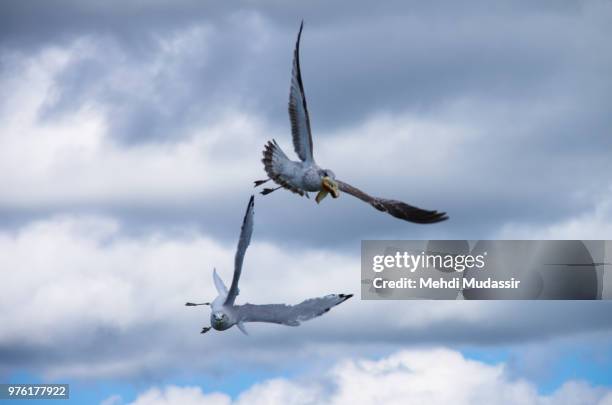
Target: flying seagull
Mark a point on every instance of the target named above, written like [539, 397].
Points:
[305, 176]
[225, 313]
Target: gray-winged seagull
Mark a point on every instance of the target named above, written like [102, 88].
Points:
[305, 176]
[225, 313]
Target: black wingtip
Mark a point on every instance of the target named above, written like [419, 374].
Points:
[413, 214]
[439, 217]
[433, 218]
[250, 206]
[297, 42]
[345, 296]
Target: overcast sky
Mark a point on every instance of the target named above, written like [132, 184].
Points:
[130, 134]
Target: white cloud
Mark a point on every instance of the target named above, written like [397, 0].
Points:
[85, 286]
[71, 159]
[74, 161]
[180, 395]
[437, 376]
[112, 400]
[436, 123]
[122, 280]
[82, 280]
[74, 277]
[412, 145]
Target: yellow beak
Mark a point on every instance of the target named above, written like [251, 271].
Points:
[328, 185]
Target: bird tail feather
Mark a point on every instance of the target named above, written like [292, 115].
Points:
[240, 326]
[274, 160]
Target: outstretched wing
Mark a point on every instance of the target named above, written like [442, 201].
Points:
[245, 238]
[290, 315]
[298, 112]
[396, 208]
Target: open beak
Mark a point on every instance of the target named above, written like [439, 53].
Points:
[328, 186]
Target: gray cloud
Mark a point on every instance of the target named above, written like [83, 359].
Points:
[497, 113]
[102, 304]
[416, 58]
[529, 80]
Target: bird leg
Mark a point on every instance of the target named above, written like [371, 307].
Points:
[260, 182]
[191, 304]
[205, 329]
[267, 191]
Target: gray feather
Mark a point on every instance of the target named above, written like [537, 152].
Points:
[298, 111]
[290, 315]
[398, 209]
[243, 243]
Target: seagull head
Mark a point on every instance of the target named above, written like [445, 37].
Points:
[328, 185]
[219, 321]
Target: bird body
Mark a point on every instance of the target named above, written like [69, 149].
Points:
[294, 175]
[222, 316]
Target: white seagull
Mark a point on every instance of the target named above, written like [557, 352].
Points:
[225, 314]
[305, 176]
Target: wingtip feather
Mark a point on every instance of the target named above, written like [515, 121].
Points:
[249, 210]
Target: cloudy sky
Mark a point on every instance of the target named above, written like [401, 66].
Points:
[131, 132]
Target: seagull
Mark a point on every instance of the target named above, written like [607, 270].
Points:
[306, 176]
[225, 313]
